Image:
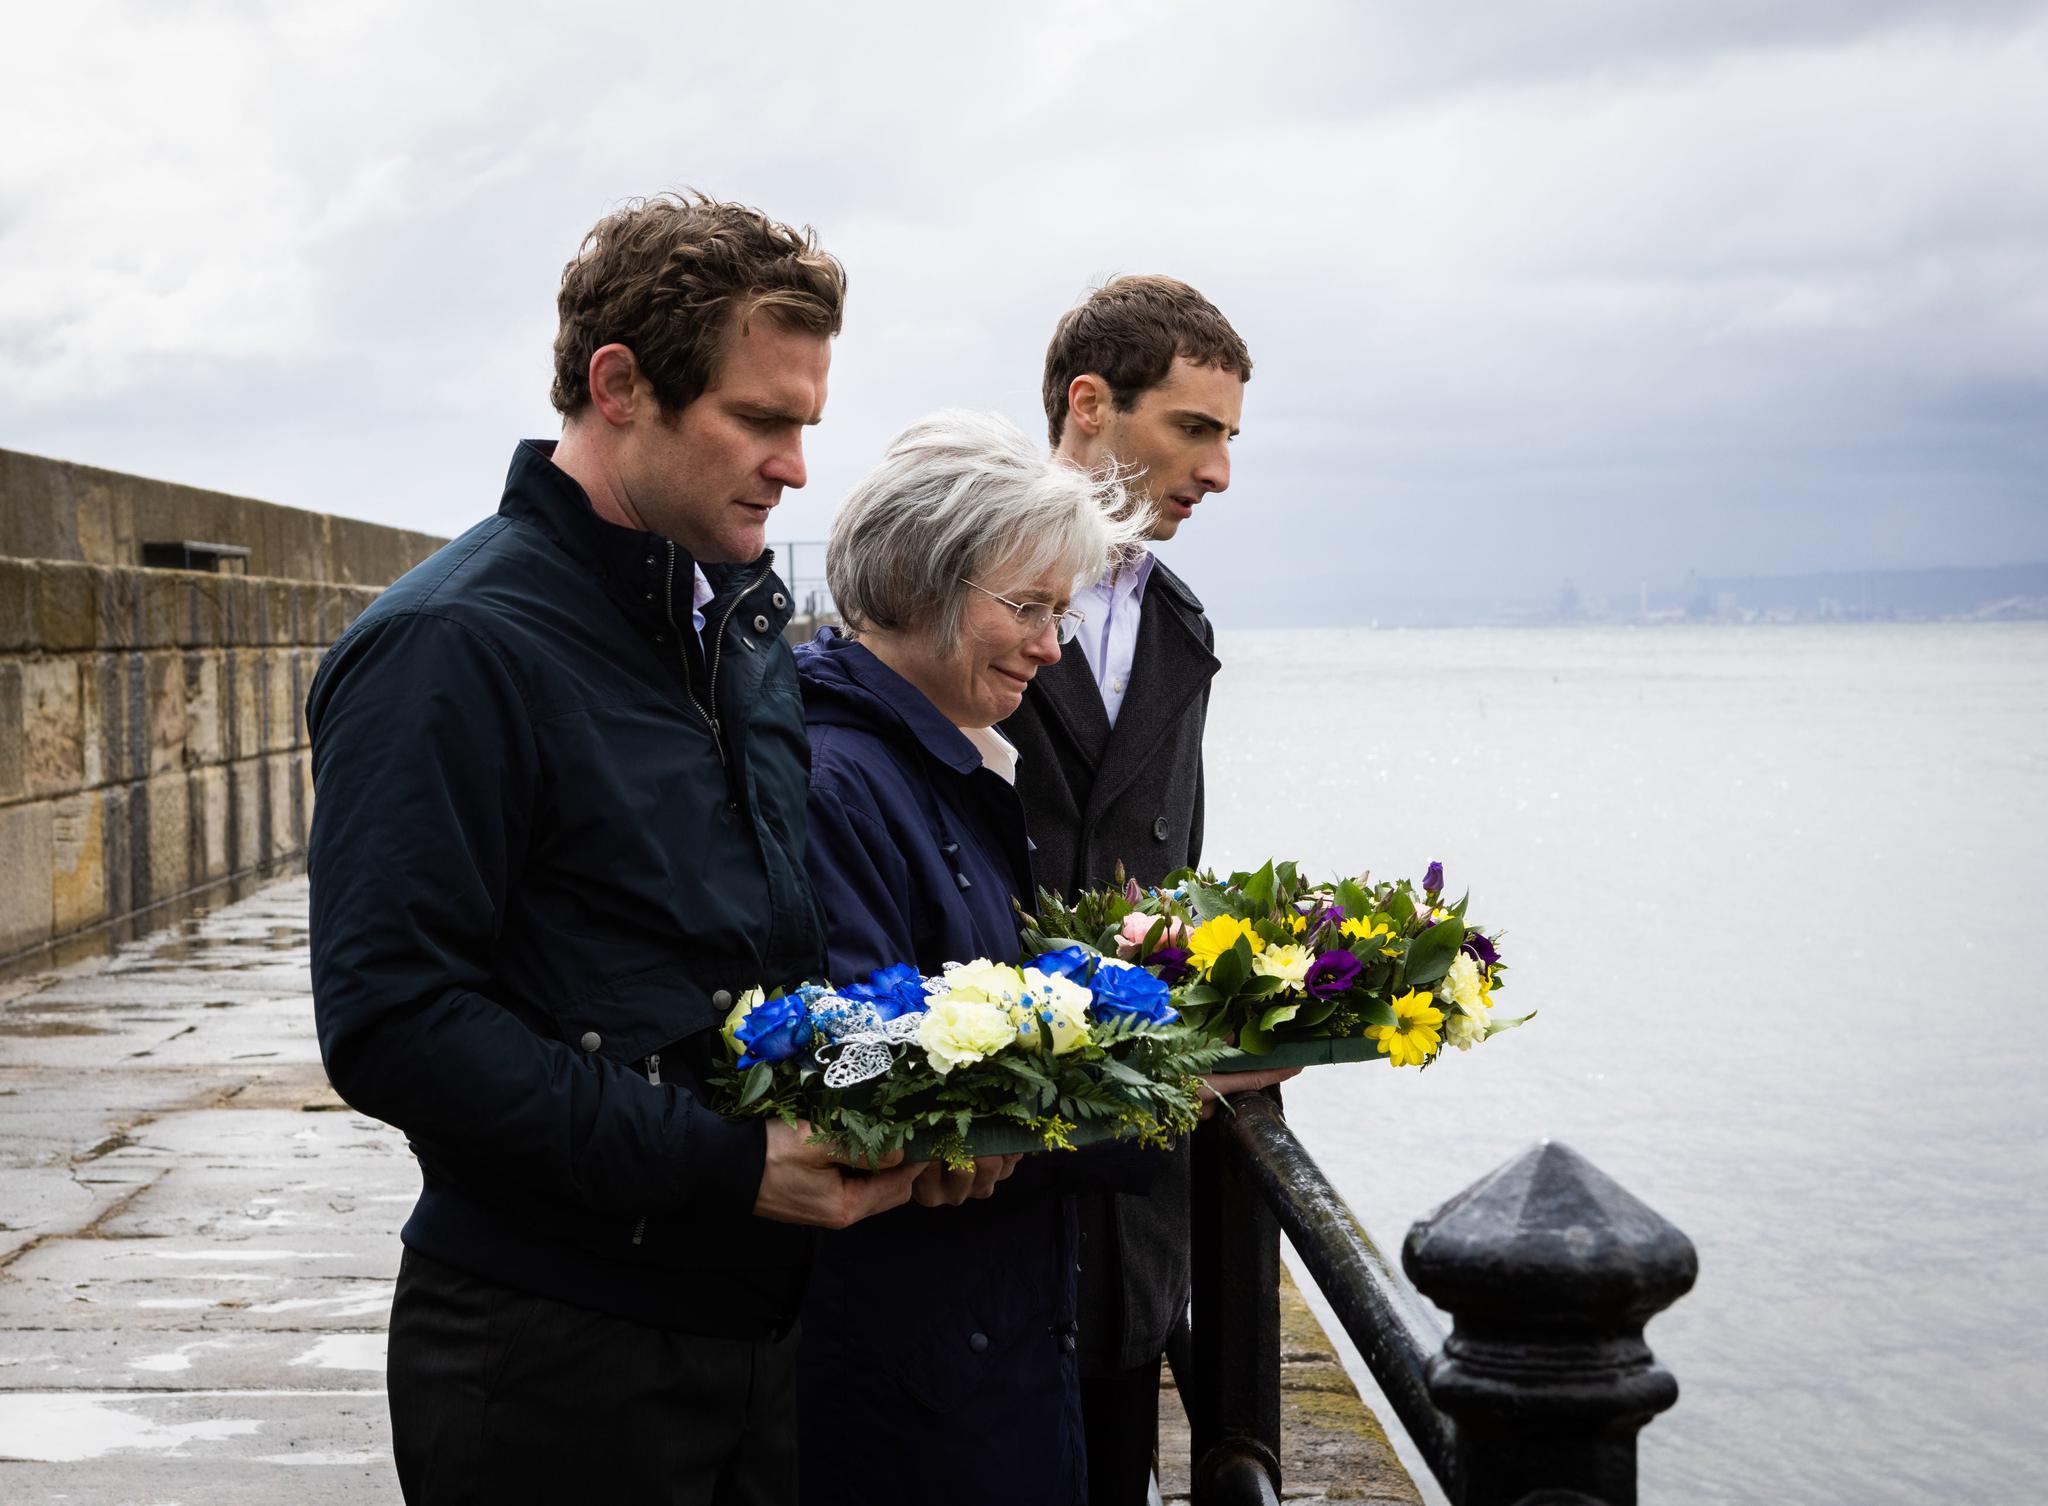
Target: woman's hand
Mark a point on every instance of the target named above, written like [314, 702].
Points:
[936, 1187]
[1222, 1084]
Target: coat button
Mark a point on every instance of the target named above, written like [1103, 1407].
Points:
[760, 624]
[591, 1040]
[779, 601]
[978, 1342]
[722, 999]
[1159, 830]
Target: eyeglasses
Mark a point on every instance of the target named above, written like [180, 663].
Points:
[1032, 616]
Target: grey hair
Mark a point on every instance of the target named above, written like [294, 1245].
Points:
[958, 494]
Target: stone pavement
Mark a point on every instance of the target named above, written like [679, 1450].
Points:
[197, 1239]
[198, 1242]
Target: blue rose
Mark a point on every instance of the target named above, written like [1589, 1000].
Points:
[773, 1031]
[1075, 962]
[1121, 989]
[894, 990]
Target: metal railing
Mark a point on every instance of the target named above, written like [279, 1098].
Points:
[1548, 1268]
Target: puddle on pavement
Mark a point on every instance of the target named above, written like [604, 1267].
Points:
[70, 1426]
[346, 1351]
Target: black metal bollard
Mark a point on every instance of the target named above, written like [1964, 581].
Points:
[1549, 1269]
[1233, 1403]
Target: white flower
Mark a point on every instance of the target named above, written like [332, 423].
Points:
[1464, 1031]
[1463, 985]
[1059, 1004]
[1290, 964]
[989, 982]
[955, 1032]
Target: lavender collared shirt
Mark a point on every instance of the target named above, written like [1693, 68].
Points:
[1109, 636]
[700, 598]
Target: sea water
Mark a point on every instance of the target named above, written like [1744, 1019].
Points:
[1777, 894]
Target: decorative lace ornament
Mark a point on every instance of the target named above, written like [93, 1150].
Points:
[865, 1052]
[859, 1061]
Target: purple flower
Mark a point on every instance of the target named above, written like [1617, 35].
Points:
[1483, 951]
[1172, 962]
[1433, 880]
[1332, 973]
[1075, 962]
[894, 990]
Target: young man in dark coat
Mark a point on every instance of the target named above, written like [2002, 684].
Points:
[1147, 374]
[561, 775]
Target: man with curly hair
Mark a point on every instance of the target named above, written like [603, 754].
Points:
[561, 779]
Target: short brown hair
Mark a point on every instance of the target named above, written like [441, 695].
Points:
[1128, 332]
[671, 277]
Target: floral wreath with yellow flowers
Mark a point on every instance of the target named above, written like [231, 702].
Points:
[1290, 972]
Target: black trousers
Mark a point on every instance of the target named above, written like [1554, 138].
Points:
[1120, 1417]
[500, 1398]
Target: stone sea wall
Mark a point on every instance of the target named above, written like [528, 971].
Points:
[152, 733]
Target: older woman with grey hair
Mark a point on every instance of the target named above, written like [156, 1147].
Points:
[938, 1341]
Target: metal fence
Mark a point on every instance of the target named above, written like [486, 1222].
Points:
[1548, 1268]
[801, 563]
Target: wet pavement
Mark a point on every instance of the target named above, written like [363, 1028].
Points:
[198, 1242]
[197, 1238]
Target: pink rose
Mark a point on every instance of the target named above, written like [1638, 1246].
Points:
[1138, 925]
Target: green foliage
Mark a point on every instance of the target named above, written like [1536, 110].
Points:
[1430, 954]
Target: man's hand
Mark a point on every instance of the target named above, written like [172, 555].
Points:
[804, 1184]
[1222, 1084]
[936, 1187]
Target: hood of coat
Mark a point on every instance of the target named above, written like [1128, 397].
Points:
[845, 685]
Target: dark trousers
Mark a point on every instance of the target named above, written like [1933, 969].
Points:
[499, 1398]
[1120, 1416]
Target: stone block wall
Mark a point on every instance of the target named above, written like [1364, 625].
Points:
[57, 510]
[152, 729]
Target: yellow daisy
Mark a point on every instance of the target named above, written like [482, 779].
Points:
[1212, 938]
[1413, 1038]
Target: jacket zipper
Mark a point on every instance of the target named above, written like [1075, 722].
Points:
[708, 712]
[709, 715]
[654, 1077]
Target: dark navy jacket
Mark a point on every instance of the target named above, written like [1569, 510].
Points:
[538, 876]
[938, 1343]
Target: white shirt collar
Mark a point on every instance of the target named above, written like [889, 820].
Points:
[998, 753]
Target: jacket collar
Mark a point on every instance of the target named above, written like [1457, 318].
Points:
[1164, 579]
[634, 565]
[899, 700]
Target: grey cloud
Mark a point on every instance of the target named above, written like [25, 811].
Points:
[1600, 290]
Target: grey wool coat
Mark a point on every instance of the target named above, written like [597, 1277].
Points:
[1093, 796]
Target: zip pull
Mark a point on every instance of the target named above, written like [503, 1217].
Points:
[654, 1068]
[639, 1228]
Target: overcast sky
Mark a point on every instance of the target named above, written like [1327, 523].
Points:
[1606, 289]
